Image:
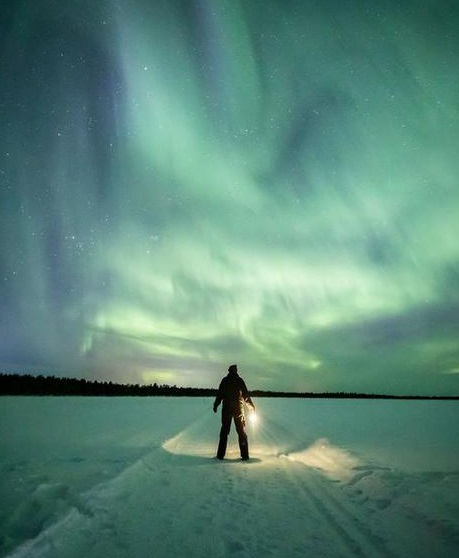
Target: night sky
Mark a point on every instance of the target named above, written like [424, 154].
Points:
[191, 183]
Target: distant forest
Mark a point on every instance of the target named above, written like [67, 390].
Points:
[27, 384]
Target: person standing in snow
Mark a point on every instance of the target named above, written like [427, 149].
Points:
[233, 392]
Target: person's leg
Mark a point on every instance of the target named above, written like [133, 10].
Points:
[239, 421]
[224, 431]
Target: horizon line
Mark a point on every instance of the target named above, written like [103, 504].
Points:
[110, 388]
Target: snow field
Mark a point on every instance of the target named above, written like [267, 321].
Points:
[137, 477]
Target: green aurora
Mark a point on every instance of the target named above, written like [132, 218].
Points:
[186, 184]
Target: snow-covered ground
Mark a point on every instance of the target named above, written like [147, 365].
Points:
[136, 477]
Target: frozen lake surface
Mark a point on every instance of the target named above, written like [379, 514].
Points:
[124, 477]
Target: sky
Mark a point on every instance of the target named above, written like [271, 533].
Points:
[185, 184]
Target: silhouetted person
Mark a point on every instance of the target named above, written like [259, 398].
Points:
[233, 392]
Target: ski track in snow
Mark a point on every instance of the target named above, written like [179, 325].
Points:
[319, 501]
[272, 507]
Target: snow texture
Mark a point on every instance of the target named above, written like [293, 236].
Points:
[123, 477]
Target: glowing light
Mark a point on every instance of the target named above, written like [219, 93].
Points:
[253, 418]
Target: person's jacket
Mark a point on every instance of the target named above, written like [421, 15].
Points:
[233, 392]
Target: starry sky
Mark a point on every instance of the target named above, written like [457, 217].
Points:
[191, 183]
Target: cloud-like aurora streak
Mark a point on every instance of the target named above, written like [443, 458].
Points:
[206, 182]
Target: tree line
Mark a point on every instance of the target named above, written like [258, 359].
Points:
[28, 384]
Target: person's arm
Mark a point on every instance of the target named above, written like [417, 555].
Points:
[219, 397]
[246, 396]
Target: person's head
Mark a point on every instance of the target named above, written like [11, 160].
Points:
[233, 369]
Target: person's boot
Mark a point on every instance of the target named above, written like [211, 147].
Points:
[221, 448]
[244, 448]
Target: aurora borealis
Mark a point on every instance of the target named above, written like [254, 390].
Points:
[190, 183]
